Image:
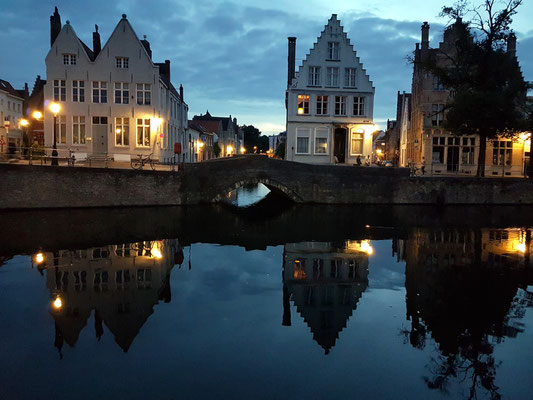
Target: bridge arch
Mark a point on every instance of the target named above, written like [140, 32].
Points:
[272, 184]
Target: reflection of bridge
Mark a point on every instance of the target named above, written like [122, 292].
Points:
[210, 181]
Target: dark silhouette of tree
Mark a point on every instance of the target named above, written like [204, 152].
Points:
[480, 67]
[253, 138]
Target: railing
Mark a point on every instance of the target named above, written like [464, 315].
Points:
[37, 155]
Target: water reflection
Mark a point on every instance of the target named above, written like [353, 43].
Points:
[120, 283]
[325, 281]
[467, 289]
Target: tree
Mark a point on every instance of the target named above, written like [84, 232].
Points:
[216, 149]
[280, 151]
[490, 91]
[253, 138]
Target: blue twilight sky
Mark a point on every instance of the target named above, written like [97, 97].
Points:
[231, 56]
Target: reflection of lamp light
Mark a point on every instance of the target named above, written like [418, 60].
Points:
[379, 152]
[229, 149]
[57, 303]
[156, 253]
[521, 247]
[39, 258]
[366, 247]
[243, 150]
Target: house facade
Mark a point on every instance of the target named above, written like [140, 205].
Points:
[113, 100]
[11, 112]
[329, 101]
[230, 135]
[439, 151]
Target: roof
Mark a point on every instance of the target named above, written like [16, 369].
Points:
[200, 128]
[208, 117]
[5, 86]
[208, 125]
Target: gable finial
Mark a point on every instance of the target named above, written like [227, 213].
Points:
[123, 16]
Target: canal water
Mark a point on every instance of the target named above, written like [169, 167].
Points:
[239, 303]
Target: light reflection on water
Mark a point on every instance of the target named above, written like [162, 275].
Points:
[426, 313]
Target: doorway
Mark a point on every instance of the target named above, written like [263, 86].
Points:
[452, 160]
[339, 147]
[100, 135]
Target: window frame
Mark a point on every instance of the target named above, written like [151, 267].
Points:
[322, 103]
[304, 104]
[145, 94]
[314, 75]
[145, 127]
[78, 91]
[78, 123]
[69, 59]
[122, 62]
[341, 101]
[122, 123]
[123, 92]
[360, 140]
[61, 132]
[332, 76]
[349, 78]
[333, 51]
[359, 106]
[59, 89]
[321, 134]
[99, 91]
[300, 135]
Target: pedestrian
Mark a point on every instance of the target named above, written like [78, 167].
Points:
[358, 161]
[367, 161]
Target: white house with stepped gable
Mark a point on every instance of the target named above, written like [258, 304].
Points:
[329, 101]
[114, 100]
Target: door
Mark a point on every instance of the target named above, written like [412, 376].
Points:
[339, 147]
[100, 135]
[452, 160]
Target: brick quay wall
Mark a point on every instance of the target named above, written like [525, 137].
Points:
[29, 187]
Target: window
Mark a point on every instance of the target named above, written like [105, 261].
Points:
[332, 76]
[437, 85]
[468, 151]
[321, 140]
[438, 150]
[299, 269]
[99, 120]
[358, 106]
[322, 105]
[314, 76]
[122, 62]
[122, 131]
[349, 77]
[437, 115]
[144, 94]
[333, 50]
[69, 59]
[61, 126]
[302, 140]
[60, 90]
[78, 91]
[340, 105]
[143, 132]
[502, 152]
[358, 136]
[99, 92]
[122, 93]
[78, 130]
[303, 104]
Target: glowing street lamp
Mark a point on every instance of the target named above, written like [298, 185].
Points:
[57, 303]
[243, 150]
[229, 150]
[39, 258]
[24, 123]
[54, 107]
[37, 115]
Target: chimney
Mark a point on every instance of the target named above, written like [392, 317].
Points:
[97, 46]
[146, 45]
[511, 44]
[55, 26]
[181, 93]
[425, 36]
[291, 60]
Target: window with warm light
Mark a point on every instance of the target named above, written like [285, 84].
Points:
[299, 269]
[99, 92]
[144, 94]
[78, 91]
[321, 105]
[60, 90]
[143, 132]
[321, 141]
[502, 152]
[358, 136]
[122, 93]
[303, 104]
[122, 131]
[78, 129]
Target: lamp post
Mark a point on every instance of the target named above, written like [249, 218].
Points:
[24, 124]
[54, 107]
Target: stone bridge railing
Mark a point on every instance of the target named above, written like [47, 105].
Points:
[208, 182]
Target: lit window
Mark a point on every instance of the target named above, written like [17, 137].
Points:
[358, 106]
[69, 59]
[357, 141]
[78, 130]
[333, 50]
[78, 91]
[143, 132]
[321, 145]
[303, 104]
[122, 62]
[502, 152]
[122, 93]
[122, 131]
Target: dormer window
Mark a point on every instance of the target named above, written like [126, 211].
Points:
[122, 62]
[333, 50]
[69, 59]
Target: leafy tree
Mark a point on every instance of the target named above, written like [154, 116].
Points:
[216, 149]
[253, 138]
[280, 151]
[489, 89]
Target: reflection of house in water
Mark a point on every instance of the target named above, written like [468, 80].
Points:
[463, 289]
[325, 281]
[121, 283]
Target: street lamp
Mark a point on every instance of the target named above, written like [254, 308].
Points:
[54, 107]
[37, 115]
